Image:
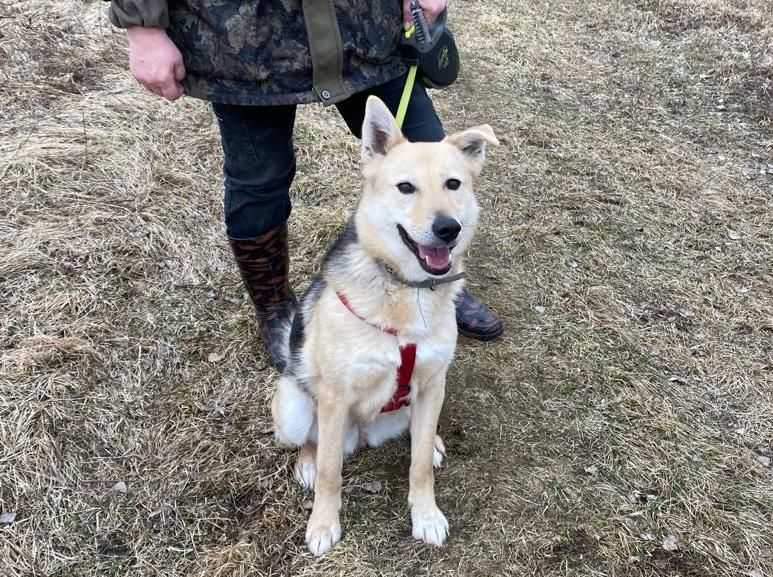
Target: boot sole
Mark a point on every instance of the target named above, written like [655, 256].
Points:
[481, 336]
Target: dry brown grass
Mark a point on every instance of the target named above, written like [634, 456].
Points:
[630, 204]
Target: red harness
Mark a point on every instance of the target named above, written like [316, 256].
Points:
[404, 370]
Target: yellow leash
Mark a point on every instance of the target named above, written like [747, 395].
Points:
[402, 108]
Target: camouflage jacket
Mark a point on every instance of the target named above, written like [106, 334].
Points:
[269, 52]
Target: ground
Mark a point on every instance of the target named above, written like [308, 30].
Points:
[622, 426]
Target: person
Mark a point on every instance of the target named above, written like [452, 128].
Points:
[255, 61]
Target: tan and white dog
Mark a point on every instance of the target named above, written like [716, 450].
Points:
[375, 333]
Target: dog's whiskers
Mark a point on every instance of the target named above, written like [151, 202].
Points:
[421, 312]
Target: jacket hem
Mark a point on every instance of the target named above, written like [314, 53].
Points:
[247, 94]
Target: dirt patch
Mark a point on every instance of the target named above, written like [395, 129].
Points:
[577, 548]
[679, 563]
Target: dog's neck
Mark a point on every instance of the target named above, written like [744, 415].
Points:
[430, 283]
[379, 294]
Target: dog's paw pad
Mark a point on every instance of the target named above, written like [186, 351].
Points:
[432, 527]
[306, 474]
[321, 538]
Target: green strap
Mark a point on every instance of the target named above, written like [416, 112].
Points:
[402, 108]
[406, 97]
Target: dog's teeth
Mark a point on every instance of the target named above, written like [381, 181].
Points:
[436, 257]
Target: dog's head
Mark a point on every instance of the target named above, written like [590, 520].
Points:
[418, 211]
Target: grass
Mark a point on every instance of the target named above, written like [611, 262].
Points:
[626, 240]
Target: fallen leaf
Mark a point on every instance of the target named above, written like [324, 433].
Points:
[669, 543]
[6, 517]
[215, 357]
[763, 460]
[372, 487]
[119, 487]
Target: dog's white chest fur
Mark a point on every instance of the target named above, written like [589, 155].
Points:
[373, 358]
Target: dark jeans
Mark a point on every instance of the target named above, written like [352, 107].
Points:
[260, 160]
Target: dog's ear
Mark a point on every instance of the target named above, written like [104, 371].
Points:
[379, 130]
[472, 143]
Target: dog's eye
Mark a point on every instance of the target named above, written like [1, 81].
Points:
[453, 184]
[406, 188]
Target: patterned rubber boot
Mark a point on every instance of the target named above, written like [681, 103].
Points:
[475, 320]
[264, 263]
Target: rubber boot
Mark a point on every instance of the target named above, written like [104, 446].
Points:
[264, 263]
[475, 320]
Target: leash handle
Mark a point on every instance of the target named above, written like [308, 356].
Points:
[423, 35]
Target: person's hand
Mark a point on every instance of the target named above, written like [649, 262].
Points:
[155, 62]
[431, 9]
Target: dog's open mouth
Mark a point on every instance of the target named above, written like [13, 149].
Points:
[433, 259]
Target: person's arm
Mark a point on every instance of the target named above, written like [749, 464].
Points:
[431, 9]
[154, 60]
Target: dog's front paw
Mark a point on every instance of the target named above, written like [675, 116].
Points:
[320, 537]
[430, 526]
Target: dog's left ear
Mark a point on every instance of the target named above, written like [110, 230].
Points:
[472, 143]
[379, 130]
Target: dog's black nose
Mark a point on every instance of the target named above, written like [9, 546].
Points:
[446, 228]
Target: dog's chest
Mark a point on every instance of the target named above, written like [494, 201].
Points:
[432, 356]
[390, 374]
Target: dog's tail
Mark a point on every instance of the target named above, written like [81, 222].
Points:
[293, 413]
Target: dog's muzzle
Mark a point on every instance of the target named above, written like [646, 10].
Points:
[435, 258]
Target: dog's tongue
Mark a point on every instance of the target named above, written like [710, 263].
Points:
[436, 257]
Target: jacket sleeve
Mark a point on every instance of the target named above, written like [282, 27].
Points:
[146, 13]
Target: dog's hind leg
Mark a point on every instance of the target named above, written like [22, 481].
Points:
[305, 470]
[438, 453]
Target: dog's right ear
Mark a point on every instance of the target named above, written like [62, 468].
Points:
[379, 130]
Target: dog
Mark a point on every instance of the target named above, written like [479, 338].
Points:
[372, 338]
